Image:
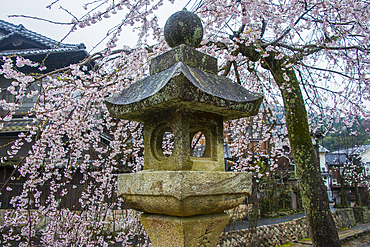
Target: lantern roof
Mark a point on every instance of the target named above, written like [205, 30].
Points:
[184, 78]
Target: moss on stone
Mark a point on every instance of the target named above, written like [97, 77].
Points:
[184, 231]
[183, 27]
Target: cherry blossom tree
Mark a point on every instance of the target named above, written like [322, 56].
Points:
[303, 55]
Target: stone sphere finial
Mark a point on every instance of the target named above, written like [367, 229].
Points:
[183, 27]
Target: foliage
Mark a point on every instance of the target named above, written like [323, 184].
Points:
[352, 174]
[276, 193]
[353, 170]
[343, 137]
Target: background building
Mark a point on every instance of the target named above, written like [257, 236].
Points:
[16, 40]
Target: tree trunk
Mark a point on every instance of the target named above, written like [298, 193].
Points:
[252, 228]
[315, 199]
[357, 195]
[343, 197]
[343, 190]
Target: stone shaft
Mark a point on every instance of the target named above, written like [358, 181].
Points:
[191, 231]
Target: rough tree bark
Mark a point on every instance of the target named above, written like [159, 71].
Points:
[252, 227]
[357, 195]
[316, 203]
[343, 196]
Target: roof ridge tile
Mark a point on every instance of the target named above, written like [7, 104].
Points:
[21, 30]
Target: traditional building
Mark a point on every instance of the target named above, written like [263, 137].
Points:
[16, 40]
[339, 164]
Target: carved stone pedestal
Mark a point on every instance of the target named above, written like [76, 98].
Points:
[202, 230]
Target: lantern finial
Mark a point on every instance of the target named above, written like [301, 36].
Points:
[183, 27]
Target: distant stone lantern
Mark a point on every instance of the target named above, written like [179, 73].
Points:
[184, 197]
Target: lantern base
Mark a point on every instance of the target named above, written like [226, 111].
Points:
[184, 193]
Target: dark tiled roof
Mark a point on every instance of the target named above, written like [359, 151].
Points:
[362, 149]
[37, 51]
[339, 157]
[13, 30]
[353, 151]
[336, 158]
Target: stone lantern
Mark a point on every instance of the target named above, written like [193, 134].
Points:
[184, 197]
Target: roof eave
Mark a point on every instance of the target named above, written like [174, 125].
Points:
[186, 91]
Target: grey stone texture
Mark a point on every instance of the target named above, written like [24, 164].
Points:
[202, 230]
[362, 214]
[184, 193]
[183, 27]
[279, 234]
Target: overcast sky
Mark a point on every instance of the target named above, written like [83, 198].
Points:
[90, 36]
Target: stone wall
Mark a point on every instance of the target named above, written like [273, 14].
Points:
[241, 212]
[362, 214]
[344, 218]
[278, 234]
[270, 235]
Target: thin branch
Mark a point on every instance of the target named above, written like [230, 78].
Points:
[91, 58]
[312, 48]
[263, 28]
[41, 19]
[195, 144]
[236, 73]
[332, 92]
[329, 22]
[329, 70]
[96, 1]
[307, 94]
[49, 6]
[289, 29]
[15, 170]
[227, 68]
[93, 9]
[69, 32]
[69, 12]
[354, 47]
